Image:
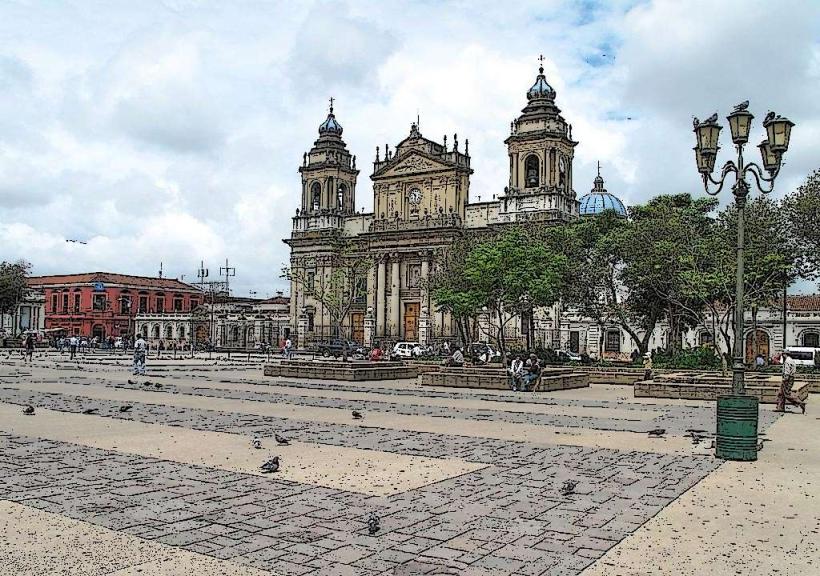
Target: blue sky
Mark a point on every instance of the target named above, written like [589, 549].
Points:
[172, 131]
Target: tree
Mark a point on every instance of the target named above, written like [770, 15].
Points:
[802, 209]
[510, 274]
[13, 284]
[342, 284]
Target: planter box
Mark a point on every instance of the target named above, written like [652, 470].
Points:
[349, 371]
[498, 379]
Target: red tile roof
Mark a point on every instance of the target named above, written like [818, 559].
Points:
[277, 300]
[111, 278]
[804, 302]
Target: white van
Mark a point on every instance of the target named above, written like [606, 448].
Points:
[404, 349]
[803, 356]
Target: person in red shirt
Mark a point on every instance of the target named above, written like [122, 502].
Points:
[376, 354]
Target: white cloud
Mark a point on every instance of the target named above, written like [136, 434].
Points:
[171, 131]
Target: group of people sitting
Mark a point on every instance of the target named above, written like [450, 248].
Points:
[524, 373]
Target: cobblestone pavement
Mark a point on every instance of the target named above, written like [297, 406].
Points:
[508, 518]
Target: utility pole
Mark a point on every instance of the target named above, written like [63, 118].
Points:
[228, 272]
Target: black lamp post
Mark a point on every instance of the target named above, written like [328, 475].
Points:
[735, 440]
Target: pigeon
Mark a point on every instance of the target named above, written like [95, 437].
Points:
[131, 382]
[147, 383]
[281, 440]
[357, 415]
[742, 106]
[657, 432]
[769, 117]
[271, 465]
[568, 487]
[373, 524]
[157, 385]
[89, 410]
[125, 408]
[28, 410]
[256, 443]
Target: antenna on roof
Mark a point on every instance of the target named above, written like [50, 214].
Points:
[160, 269]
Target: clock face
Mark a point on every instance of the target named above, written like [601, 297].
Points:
[415, 196]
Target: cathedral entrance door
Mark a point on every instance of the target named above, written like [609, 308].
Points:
[357, 327]
[411, 321]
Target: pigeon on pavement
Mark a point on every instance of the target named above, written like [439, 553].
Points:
[271, 465]
[28, 410]
[568, 487]
[281, 440]
[357, 415]
[157, 385]
[125, 408]
[657, 432]
[131, 381]
[373, 524]
[256, 443]
[90, 410]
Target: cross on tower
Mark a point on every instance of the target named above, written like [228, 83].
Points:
[331, 104]
[599, 167]
[541, 64]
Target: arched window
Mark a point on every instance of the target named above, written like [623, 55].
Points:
[315, 196]
[235, 333]
[145, 330]
[181, 331]
[705, 338]
[811, 340]
[341, 195]
[169, 332]
[155, 332]
[531, 171]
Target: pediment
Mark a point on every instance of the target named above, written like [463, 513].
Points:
[414, 162]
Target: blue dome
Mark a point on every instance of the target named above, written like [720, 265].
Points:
[330, 126]
[598, 200]
[594, 203]
[541, 88]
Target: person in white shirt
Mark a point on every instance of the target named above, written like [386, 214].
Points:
[416, 351]
[73, 342]
[785, 394]
[140, 352]
[288, 349]
[516, 372]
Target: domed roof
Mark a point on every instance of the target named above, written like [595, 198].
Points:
[598, 200]
[541, 88]
[330, 126]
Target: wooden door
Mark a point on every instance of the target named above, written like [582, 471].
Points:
[574, 341]
[357, 327]
[762, 345]
[411, 321]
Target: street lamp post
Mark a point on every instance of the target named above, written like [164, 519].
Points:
[734, 426]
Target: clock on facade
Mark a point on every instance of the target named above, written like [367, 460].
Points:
[415, 196]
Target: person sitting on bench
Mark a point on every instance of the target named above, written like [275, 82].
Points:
[457, 359]
[533, 372]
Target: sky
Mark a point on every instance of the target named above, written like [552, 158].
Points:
[171, 131]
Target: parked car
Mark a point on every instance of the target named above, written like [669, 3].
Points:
[482, 349]
[335, 348]
[567, 356]
[404, 349]
[804, 356]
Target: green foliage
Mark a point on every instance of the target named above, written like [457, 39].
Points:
[802, 212]
[12, 284]
[701, 358]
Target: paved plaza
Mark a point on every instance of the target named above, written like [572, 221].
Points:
[462, 482]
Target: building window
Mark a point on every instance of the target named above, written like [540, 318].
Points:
[315, 196]
[181, 332]
[194, 303]
[413, 275]
[143, 308]
[98, 303]
[235, 333]
[340, 197]
[361, 290]
[811, 340]
[160, 304]
[65, 303]
[169, 332]
[310, 321]
[145, 331]
[705, 338]
[311, 279]
[613, 341]
[125, 304]
[76, 302]
[177, 303]
[54, 303]
[531, 169]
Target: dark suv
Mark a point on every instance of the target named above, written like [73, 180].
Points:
[335, 348]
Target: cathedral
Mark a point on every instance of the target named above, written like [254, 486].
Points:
[420, 205]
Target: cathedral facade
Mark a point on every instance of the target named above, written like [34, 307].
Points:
[420, 206]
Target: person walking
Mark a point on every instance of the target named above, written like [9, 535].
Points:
[140, 352]
[73, 342]
[288, 349]
[785, 394]
[647, 366]
[29, 345]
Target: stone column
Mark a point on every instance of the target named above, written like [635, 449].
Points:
[394, 296]
[424, 316]
[380, 296]
[369, 328]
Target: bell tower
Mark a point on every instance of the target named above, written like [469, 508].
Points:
[328, 173]
[540, 148]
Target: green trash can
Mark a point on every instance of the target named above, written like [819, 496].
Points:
[736, 437]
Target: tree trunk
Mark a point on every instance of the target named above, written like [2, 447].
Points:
[501, 342]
